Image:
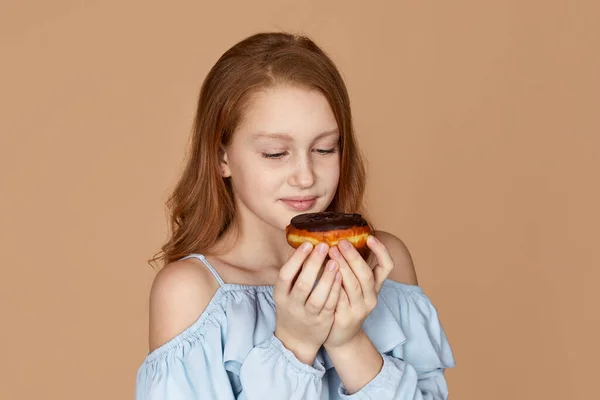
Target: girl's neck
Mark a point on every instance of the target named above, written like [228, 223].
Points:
[254, 249]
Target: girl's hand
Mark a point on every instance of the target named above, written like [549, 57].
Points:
[304, 314]
[361, 286]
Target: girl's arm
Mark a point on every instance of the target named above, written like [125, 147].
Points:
[200, 360]
[192, 368]
[367, 374]
[404, 316]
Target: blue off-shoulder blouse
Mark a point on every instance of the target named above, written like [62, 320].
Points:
[230, 352]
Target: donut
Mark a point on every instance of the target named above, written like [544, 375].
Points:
[329, 227]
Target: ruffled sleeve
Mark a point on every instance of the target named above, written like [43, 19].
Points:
[185, 368]
[213, 359]
[273, 372]
[414, 347]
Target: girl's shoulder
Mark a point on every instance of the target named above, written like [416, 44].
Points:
[180, 293]
[404, 270]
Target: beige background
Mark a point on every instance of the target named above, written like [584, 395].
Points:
[480, 121]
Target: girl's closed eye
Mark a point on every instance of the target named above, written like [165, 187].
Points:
[284, 153]
[274, 155]
[326, 151]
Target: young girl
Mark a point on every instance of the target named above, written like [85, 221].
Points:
[236, 313]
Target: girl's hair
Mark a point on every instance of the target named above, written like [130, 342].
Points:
[201, 206]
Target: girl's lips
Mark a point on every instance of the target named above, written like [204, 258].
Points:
[300, 205]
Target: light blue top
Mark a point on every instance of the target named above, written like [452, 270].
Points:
[230, 352]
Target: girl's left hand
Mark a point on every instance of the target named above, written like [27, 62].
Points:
[361, 286]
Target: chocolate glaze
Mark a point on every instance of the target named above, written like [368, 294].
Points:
[326, 221]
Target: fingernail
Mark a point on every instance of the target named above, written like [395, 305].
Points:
[322, 248]
[337, 276]
[306, 246]
[346, 245]
[331, 266]
[372, 240]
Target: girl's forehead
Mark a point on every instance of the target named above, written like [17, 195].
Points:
[288, 113]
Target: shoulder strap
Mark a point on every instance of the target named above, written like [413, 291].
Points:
[207, 264]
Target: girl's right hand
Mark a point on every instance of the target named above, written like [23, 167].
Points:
[304, 315]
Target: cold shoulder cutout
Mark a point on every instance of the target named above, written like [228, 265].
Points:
[230, 352]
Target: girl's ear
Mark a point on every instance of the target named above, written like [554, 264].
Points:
[224, 163]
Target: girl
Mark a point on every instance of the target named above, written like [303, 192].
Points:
[236, 313]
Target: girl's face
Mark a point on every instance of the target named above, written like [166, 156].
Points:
[284, 158]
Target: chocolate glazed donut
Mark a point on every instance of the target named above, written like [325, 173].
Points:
[329, 227]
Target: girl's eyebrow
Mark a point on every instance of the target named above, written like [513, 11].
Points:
[287, 137]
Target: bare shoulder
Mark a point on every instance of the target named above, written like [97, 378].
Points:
[404, 269]
[180, 292]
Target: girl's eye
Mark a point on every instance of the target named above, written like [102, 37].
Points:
[329, 151]
[274, 155]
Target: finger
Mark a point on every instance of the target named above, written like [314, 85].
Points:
[349, 280]
[361, 269]
[381, 273]
[308, 275]
[290, 269]
[385, 263]
[343, 302]
[320, 294]
[334, 295]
